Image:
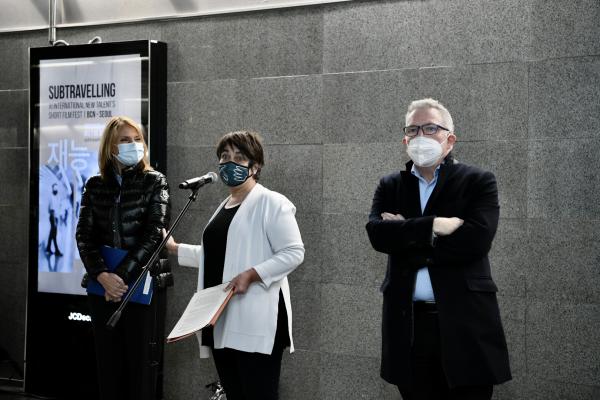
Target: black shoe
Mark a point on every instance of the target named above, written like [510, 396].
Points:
[58, 253]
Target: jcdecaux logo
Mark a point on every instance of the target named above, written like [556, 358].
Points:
[75, 316]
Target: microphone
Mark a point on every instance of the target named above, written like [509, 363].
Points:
[196, 183]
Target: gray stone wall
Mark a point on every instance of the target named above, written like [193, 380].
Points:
[327, 87]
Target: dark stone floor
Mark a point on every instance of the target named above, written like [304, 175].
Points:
[9, 395]
[14, 392]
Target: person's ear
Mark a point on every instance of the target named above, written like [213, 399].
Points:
[451, 138]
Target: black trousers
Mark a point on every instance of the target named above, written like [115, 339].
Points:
[52, 235]
[429, 381]
[249, 376]
[129, 358]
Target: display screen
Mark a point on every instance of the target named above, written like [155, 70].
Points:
[77, 97]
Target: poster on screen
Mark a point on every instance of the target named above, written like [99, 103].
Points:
[77, 98]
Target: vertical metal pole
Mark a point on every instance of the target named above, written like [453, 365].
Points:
[52, 20]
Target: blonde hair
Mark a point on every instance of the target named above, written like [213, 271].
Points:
[106, 159]
[431, 103]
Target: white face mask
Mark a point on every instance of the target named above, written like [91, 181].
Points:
[424, 151]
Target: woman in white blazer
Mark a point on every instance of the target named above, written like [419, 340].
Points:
[252, 241]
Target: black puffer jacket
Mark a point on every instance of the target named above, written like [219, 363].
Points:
[130, 216]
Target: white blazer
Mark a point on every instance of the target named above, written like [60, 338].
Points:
[263, 234]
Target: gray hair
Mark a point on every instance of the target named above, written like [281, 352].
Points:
[431, 103]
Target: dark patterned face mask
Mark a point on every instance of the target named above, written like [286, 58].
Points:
[233, 174]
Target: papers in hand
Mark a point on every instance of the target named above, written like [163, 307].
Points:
[203, 310]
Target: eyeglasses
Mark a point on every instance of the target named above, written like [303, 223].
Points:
[428, 129]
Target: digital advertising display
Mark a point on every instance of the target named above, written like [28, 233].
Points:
[73, 92]
[77, 98]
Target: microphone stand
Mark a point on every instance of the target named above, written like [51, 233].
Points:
[112, 322]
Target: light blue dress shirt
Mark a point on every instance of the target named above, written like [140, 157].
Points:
[423, 289]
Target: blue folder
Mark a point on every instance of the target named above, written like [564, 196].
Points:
[112, 258]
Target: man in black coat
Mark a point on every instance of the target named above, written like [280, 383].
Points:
[442, 335]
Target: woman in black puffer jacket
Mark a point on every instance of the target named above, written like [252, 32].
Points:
[124, 207]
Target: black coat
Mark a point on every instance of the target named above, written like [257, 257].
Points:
[134, 223]
[473, 346]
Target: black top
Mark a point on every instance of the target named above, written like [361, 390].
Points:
[215, 243]
[133, 223]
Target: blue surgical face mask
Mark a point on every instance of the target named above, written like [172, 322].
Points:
[130, 153]
[233, 174]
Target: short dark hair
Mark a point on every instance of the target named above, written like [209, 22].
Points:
[250, 145]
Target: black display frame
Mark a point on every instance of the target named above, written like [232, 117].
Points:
[59, 353]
